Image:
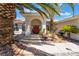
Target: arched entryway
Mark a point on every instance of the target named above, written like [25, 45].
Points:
[35, 26]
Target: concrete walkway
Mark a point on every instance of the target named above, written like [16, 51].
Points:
[49, 48]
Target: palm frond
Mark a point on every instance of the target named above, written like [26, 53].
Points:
[72, 5]
[47, 10]
[38, 10]
[53, 8]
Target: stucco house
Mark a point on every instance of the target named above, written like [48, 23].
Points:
[69, 21]
[34, 24]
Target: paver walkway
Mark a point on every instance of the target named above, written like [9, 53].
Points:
[40, 48]
[48, 48]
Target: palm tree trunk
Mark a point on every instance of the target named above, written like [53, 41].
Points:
[69, 35]
[7, 15]
[51, 24]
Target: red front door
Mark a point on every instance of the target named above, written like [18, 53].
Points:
[35, 29]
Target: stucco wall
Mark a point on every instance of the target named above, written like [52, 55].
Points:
[70, 22]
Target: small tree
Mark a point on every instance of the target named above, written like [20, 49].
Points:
[70, 29]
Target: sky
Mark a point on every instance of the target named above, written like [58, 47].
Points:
[66, 12]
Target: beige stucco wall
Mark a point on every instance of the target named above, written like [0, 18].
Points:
[73, 21]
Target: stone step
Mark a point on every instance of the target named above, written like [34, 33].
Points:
[34, 37]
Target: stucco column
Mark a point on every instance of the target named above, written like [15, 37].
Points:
[28, 31]
[44, 26]
[27, 27]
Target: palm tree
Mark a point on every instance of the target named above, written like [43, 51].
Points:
[7, 16]
[60, 8]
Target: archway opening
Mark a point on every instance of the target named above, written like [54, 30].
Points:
[35, 26]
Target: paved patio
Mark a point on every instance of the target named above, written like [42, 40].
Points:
[41, 48]
[33, 47]
[48, 48]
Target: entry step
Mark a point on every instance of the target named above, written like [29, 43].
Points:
[34, 37]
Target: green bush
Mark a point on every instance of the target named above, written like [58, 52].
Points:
[70, 28]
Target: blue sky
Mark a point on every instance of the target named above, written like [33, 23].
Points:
[67, 12]
[18, 15]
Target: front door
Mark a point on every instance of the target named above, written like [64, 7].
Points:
[35, 29]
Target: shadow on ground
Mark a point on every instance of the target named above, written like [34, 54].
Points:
[9, 51]
[19, 37]
[6, 50]
[38, 43]
[34, 51]
[72, 40]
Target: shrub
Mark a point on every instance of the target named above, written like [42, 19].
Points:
[70, 29]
